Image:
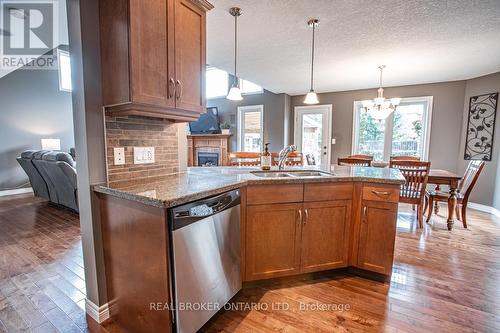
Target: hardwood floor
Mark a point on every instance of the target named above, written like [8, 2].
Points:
[442, 282]
[42, 283]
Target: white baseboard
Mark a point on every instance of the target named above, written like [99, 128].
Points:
[98, 313]
[16, 191]
[484, 208]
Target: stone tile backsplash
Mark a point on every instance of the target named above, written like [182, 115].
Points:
[132, 131]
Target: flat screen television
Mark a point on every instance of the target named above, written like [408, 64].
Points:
[208, 123]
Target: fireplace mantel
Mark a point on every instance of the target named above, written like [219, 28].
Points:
[207, 143]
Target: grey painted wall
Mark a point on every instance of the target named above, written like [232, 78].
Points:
[31, 108]
[445, 125]
[487, 191]
[275, 106]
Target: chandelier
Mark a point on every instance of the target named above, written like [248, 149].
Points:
[380, 107]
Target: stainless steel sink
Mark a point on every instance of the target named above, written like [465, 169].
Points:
[290, 173]
[308, 174]
[270, 174]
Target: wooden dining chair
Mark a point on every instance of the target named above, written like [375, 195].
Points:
[404, 158]
[465, 187]
[293, 159]
[243, 158]
[362, 156]
[353, 161]
[412, 191]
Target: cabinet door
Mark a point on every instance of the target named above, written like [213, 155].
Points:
[377, 236]
[272, 240]
[325, 235]
[150, 41]
[189, 56]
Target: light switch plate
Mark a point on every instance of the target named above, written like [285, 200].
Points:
[119, 155]
[334, 141]
[144, 155]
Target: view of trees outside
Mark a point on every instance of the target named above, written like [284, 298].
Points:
[406, 131]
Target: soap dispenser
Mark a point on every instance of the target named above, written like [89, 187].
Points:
[265, 158]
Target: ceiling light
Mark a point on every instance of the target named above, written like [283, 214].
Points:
[311, 97]
[380, 107]
[235, 92]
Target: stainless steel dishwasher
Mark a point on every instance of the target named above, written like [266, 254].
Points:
[205, 246]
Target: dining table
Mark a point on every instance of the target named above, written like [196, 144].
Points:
[444, 177]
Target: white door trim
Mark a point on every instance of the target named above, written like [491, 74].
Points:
[296, 129]
[239, 125]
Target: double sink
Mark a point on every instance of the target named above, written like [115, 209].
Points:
[291, 173]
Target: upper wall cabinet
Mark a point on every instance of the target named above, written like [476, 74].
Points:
[153, 57]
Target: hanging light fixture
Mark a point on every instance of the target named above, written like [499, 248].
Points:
[235, 92]
[311, 97]
[380, 107]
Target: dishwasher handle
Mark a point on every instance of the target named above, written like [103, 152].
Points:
[184, 215]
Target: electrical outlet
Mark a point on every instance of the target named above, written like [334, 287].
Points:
[119, 155]
[144, 155]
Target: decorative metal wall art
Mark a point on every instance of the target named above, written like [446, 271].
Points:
[481, 127]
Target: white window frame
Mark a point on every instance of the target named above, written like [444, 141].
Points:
[209, 68]
[239, 129]
[59, 69]
[426, 131]
[261, 91]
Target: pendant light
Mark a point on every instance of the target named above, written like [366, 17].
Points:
[311, 97]
[380, 108]
[235, 92]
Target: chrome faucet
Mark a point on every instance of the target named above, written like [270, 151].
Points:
[284, 154]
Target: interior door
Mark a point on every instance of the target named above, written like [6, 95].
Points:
[313, 132]
[189, 56]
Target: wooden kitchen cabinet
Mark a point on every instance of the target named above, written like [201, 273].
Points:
[153, 57]
[272, 240]
[325, 235]
[377, 236]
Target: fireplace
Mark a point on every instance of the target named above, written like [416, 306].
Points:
[216, 145]
[208, 159]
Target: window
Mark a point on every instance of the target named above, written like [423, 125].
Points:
[64, 70]
[405, 132]
[248, 87]
[216, 83]
[250, 128]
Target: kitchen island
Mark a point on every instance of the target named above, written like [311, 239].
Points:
[290, 224]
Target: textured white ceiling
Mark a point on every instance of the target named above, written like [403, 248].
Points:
[419, 41]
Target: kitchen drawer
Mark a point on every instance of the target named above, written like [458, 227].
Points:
[388, 193]
[327, 191]
[269, 194]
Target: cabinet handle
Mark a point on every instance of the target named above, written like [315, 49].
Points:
[364, 213]
[307, 216]
[178, 89]
[381, 194]
[171, 87]
[300, 216]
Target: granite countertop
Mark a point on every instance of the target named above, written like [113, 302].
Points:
[197, 183]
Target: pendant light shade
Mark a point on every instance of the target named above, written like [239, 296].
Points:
[235, 92]
[311, 97]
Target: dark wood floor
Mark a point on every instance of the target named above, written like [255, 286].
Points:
[442, 282]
